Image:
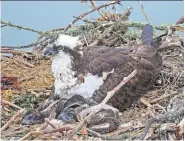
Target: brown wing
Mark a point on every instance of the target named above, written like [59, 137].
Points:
[98, 60]
[124, 62]
[132, 90]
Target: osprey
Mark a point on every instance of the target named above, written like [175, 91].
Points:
[91, 72]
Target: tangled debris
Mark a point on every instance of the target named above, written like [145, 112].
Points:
[158, 115]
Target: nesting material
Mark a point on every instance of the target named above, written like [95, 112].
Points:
[36, 77]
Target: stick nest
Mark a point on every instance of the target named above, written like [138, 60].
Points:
[34, 74]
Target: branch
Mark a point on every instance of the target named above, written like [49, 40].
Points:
[88, 12]
[21, 27]
[180, 21]
[42, 132]
[99, 106]
[17, 47]
[103, 136]
[3, 26]
[162, 118]
[12, 119]
[142, 8]
[11, 104]
[9, 50]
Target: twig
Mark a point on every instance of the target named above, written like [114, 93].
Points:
[169, 46]
[25, 137]
[49, 122]
[17, 47]
[42, 132]
[162, 118]
[85, 20]
[145, 102]
[85, 40]
[14, 133]
[9, 50]
[12, 119]
[94, 6]
[180, 21]
[162, 97]
[3, 26]
[126, 127]
[99, 106]
[142, 8]
[25, 63]
[102, 136]
[180, 128]
[88, 12]
[21, 27]
[11, 104]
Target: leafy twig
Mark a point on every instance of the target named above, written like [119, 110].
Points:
[3, 26]
[21, 27]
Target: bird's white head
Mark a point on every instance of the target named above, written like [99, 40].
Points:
[68, 41]
[63, 42]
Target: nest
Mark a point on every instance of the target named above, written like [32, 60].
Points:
[34, 74]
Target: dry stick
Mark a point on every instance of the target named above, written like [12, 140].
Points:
[18, 52]
[95, 6]
[126, 128]
[11, 104]
[14, 133]
[88, 12]
[162, 118]
[21, 27]
[12, 119]
[180, 21]
[142, 8]
[49, 122]
[42, 132]
[85, 20]
[162, 97]
[17, 47]
[99, 106]
[25, 63]
[145, 102]
[180, 128]
[102, 136]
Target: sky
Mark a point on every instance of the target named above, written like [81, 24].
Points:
[46, 15]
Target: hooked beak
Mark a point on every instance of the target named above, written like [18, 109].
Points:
[51, 51]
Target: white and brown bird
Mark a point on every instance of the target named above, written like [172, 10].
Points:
[93, 71]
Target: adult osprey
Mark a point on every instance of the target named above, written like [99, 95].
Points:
[93, 71]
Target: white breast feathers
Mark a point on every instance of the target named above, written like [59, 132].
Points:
[66, 85]
[62, 72]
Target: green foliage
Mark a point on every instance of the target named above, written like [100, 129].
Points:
[27, 100]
